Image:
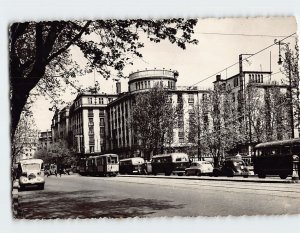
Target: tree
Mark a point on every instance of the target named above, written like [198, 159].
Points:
[41, 52]
[25, 135]
[228, 126]
[291, 71]
[153, 117]
[58, 153]
[267, 112]
[199, 123]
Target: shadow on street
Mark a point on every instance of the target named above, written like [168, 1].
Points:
[89, 204]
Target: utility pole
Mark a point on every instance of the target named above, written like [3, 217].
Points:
[199, 133]
[291, 97]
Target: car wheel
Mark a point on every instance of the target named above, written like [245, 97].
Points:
[180, 174]
[168, 173]
[283, 176]
[198, 173]
[186, 173]
[41, 186]
[261, 175]
[230, 173]
[245, 176]
[216, 173]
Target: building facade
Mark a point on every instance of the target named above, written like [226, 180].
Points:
[83, 123]
[45, 139]
[99, 122]
[121, 138]
[261, 104]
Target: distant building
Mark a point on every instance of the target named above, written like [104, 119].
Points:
[26, 147]
[83, 124]
[246, 86]
[99, 122]
[44, 139]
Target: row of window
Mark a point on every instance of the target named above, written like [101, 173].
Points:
[142, 85]
[98, 100]
[101, 121]
[256, 78]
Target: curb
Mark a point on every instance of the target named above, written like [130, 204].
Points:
[249, 180]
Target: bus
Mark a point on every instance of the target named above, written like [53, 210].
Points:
[30, 172]
[103, 165]
[174, 163]
[131, 166]
[276, 158]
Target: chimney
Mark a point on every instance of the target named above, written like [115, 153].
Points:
[218, 77]
[118, 86]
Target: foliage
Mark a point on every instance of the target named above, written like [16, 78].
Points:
[291, 71]
[153, 118]
[41, 52]
[25, 135]
[267, 112]
[58, 153]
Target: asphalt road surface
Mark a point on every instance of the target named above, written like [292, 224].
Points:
[77, 196]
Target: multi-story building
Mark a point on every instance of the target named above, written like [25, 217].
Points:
[84, 123]
[26, 147]
[45, 139]
[121, 137]
[261, 104]
[99, 122]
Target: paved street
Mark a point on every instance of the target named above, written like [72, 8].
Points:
[75, 196]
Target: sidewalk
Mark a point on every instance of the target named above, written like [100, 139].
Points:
[253, 179]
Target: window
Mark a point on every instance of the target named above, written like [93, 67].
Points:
[90, 100]
[102, 122]
[136, 86]
[149, 84]
[181, 134]
[191, 98]
[101, 112]
[91, 121]
[102, 131]
[142, 85]
[261, 78]
[233, 97]
[236, 82]
[180, 123]
[145, 84]
[91, 130]
[101, 101]
[179, 98]
[90, 112]
[91, 149]
[91, 140]
[109, 99]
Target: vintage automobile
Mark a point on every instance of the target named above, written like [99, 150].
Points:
[173, 163]
[31, 173]
[232, 167]
[199, 168]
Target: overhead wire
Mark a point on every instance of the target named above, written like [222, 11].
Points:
[202, 80]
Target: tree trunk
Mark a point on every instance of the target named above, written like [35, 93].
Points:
[20, 89]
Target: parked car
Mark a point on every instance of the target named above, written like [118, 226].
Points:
[30, 172]
[232, 167]
[199, 168]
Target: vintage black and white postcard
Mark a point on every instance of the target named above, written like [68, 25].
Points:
[154, 117]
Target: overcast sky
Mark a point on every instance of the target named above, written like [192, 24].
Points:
[220, 43]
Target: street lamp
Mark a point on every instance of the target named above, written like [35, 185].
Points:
[288, 61]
